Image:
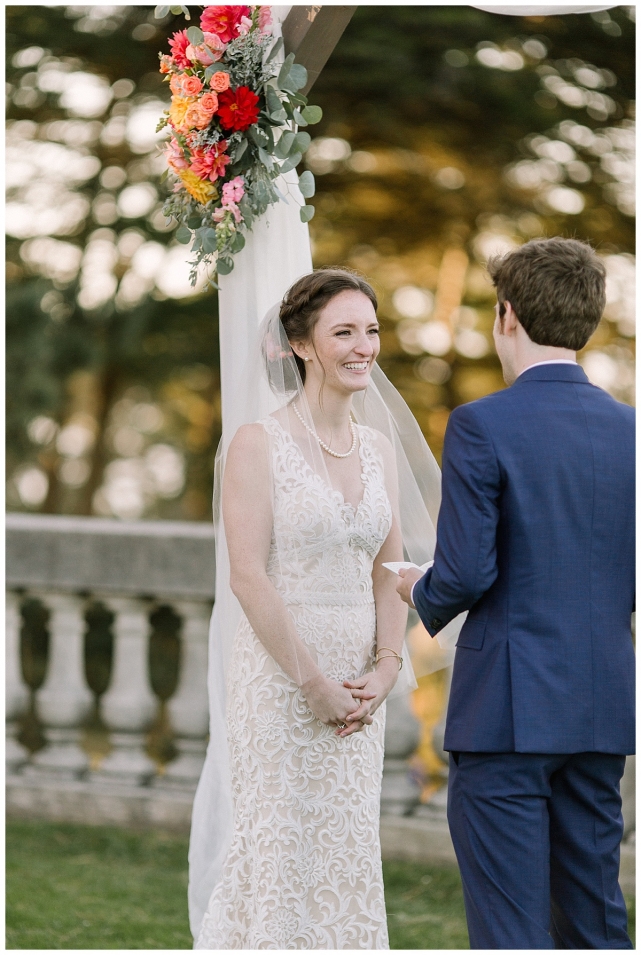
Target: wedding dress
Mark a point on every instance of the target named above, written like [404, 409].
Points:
[304, 867]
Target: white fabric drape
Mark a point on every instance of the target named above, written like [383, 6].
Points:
[277, 252]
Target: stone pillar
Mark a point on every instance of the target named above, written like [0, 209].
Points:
[64, 700]
[129, 704]
[16, 690]
[189, 706]
[400, 793]
[437, 806]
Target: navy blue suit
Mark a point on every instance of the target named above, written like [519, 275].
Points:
[536, 540]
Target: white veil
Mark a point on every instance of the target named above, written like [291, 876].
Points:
[272, 386]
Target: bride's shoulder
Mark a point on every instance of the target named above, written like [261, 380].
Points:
[248, 442]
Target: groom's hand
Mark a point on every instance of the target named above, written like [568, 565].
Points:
[407, 577]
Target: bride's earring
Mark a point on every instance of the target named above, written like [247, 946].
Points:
[305, 359]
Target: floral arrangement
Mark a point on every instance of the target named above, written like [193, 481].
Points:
[235, 121]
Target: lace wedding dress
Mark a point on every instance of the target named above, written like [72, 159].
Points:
[304, 867]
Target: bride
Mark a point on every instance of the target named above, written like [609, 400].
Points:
[310, 513]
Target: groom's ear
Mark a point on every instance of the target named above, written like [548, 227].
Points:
[509, 318]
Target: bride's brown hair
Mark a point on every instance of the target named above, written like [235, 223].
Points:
[304, 301]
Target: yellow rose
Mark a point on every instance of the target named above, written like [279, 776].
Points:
[200, 189]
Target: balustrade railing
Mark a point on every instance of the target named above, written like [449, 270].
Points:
[69, 566]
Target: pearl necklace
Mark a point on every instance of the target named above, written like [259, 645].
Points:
[324, 446]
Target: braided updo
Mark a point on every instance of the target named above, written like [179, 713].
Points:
[304, 301]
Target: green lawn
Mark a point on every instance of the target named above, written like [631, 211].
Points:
[72, 887]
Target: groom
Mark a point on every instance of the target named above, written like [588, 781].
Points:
[536, 540]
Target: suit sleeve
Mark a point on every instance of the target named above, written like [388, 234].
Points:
[465, 559]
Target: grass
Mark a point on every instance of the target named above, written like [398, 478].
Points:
[80, 887]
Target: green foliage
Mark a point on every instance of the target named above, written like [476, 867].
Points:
[403, 97]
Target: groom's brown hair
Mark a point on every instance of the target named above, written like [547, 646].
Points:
[556, 288]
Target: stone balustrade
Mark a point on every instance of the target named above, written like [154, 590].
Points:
[69, 565]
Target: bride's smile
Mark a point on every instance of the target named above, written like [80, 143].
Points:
[344, 345]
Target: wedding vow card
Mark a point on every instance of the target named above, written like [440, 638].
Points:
[396, 565]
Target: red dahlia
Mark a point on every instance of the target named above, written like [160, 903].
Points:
[238, 109]
[223, 21]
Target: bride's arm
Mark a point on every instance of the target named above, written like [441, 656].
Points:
[247, 515]
[391, 612]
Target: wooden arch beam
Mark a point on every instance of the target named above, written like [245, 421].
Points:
[311, 33]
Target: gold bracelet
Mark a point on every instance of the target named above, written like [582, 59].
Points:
[392, 653]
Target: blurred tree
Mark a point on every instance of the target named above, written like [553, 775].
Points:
[448, 133]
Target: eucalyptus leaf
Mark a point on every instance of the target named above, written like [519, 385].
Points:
[240, 149]
[301, 142]
[292, 162]
[194, 222]
[284, 145]
[265, 158]
[195, 36]
[299, 118]
[225, 265]
[307, 184]
[298, 99]
[307, 213]
[183, 235]
[160, 12]
[284, 70]
[277, 47]
[209, 240]
[238, 242]
[297, 77]
[164, 176]
[313, 114]
[273, 100]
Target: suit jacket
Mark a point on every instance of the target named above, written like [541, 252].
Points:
[536, 538]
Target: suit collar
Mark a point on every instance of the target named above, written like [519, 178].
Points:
[554, 372]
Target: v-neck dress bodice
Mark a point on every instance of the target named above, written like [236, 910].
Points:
[304, 867]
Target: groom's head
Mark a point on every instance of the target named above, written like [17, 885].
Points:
[556, 288]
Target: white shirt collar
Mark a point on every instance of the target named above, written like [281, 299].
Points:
[550, 361]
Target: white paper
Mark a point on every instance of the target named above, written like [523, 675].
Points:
[396, 565]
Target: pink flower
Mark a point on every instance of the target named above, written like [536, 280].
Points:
[223, 21]
[210, 163]
[220, 82]
[265, 19]
[244, 26]
[174, 156]
[179, 45]
[210, 51]
[220, 213]
[233, 191]
[209, 102]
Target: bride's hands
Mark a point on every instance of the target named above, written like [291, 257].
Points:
[332, 703]
[371, 689]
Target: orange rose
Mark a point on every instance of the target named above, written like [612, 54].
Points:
[209, 102]
[220, 82]
[191, 85]
[196, 117]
